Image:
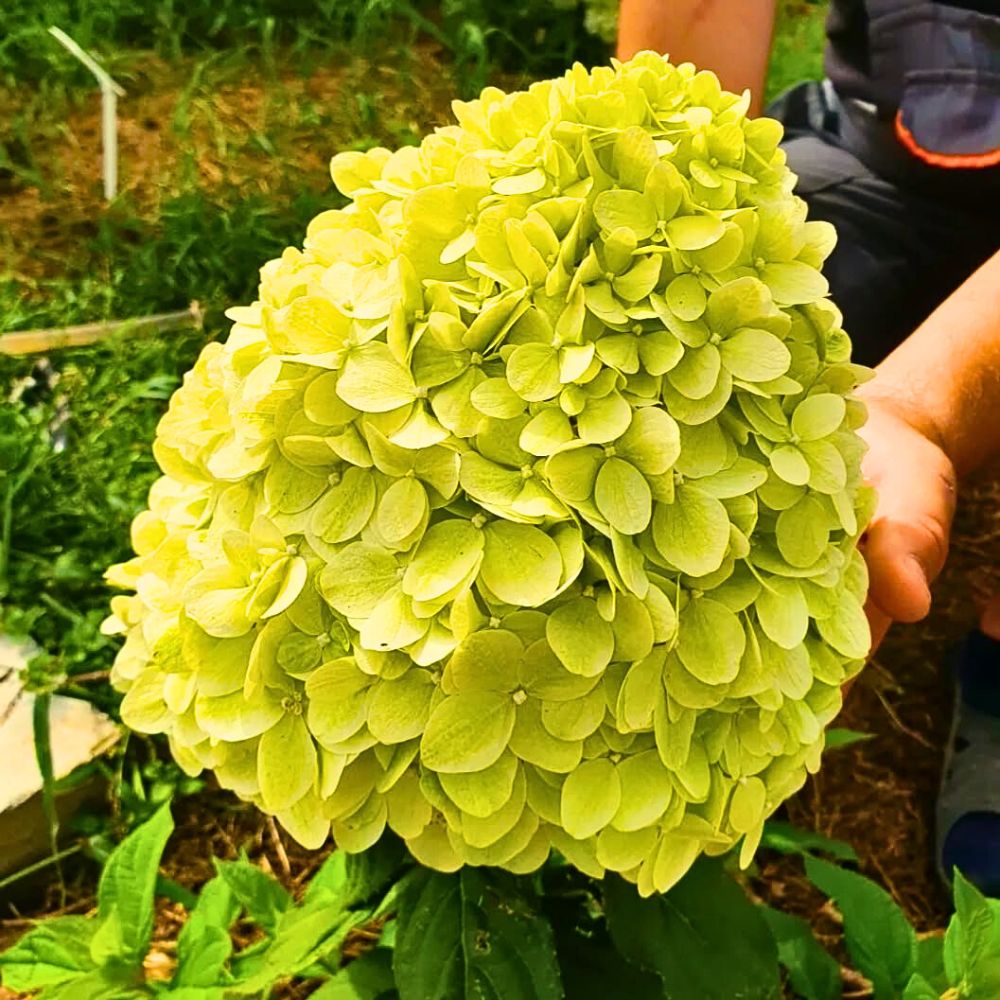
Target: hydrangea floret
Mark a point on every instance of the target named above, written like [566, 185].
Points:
[520, 511]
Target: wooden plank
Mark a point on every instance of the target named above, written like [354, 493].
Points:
[38, 341]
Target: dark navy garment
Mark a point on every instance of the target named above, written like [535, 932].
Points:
[901, 168]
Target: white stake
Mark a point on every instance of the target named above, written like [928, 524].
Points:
[110, 92]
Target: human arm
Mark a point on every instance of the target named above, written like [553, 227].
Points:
[934, 415]
[730, 37]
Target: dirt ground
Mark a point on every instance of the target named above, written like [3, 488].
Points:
[878, 796]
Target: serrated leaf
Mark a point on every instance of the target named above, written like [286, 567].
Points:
[812, 971]
[55, 951]
[680, 935]
[880, 941]
[475, 933]
[261, 895]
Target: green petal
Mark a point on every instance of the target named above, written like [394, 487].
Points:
[393, 623]
[576, 719]
[483, 793]
[818, 416]
[692, 533]
[580, 637]
[401, 511]
[646, 791]
[346, 507]
[533, 743]
[521, 564]
[495, 398]
[790, 464]
[697, 374]
[357, 578]
[286, 763]
[533, 372]
[591, 796]
[686, 297]
[487, 660]
[803, 532]
[546, 432]
[572, 474]
[652, 442]
[622, 495]
[398, 710]
[695, 232]
[337, 693]
[467, 732]
[747, 806]
[626, 209]
[604, 419]
[449, 552]
[782, 612]
[711, 641]
[374, 381]
[847, 628]
[793, 283]
[755, 355]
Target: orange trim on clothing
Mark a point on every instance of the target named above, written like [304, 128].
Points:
[991, 158]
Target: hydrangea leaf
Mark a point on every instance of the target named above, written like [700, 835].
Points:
[521, 564]
[711, 641]
[467, 732]
[580, 637]
[692, 533]
[623, 496]
[591, 796]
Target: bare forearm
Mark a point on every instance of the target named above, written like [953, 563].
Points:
[730, 37]
[945, 377]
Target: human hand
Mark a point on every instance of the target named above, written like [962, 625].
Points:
[907, 541]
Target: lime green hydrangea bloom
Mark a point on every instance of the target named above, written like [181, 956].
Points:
[521, 510]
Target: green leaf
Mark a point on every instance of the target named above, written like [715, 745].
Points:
[369, 977]
[682, 934]
[261, 895]
[837, 738]
[788, 839]
[813, 973]
[125, 893]
[972, 941]
[55, 951]
[350, 880]
[879, 940]
[204, 944]
[692, 533]
[473, 934]
[467, 732]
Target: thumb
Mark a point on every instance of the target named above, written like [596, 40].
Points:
[907, 542]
